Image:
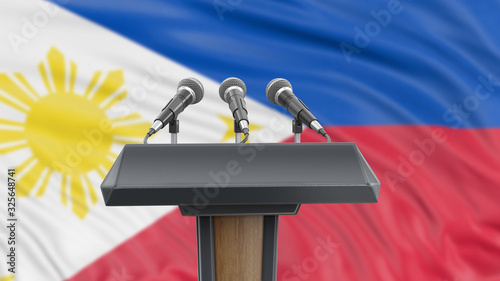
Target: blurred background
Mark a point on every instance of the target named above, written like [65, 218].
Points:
[415, 84]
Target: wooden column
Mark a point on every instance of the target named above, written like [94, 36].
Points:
[238, 247]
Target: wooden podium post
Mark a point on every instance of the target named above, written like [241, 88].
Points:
[238, 247]
[237, 219]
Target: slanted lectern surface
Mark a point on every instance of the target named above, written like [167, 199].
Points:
[240, 174]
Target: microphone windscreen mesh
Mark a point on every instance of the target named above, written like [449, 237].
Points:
[274, 86]
[194, 85]
[230, 82]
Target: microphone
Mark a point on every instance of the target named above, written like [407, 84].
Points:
[233, 90]
[189, 91]
[279, 91]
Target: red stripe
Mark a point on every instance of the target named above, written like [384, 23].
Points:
[436, 219]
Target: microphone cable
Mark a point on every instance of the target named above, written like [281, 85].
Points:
[247, 135]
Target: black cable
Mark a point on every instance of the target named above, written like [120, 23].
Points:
[324, 134]
[247, 135]
[245, 139]
[150, 133]
[327, 138]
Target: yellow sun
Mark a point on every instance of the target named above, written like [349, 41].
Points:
[66, 132]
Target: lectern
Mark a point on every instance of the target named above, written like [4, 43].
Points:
[237, 192]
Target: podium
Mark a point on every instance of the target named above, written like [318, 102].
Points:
[237, 193]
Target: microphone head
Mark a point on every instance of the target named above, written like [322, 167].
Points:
[274, 86]
[230, 82]
[194, 85]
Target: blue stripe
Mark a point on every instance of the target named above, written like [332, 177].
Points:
[421, 68]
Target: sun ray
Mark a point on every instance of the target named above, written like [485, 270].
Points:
[72, 77]
[6, 122]
[45, 78]
[26, 163]
[114, 100]
[28, 180]
[112, 156]
[11, 88]
[112, 82]
[109, 160]
[90, 188]
[26, 84]
[11, 135]
[11, 148]
[128, 117]
[79, 203]
[45, 181]
[92, 83]
[64, 190]
[102, 171]
[124, 141]
[11, 102]
[57, 69]
[136, 130]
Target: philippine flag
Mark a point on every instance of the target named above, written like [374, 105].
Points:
[414, 83]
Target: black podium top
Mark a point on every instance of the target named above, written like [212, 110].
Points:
[240, 174]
